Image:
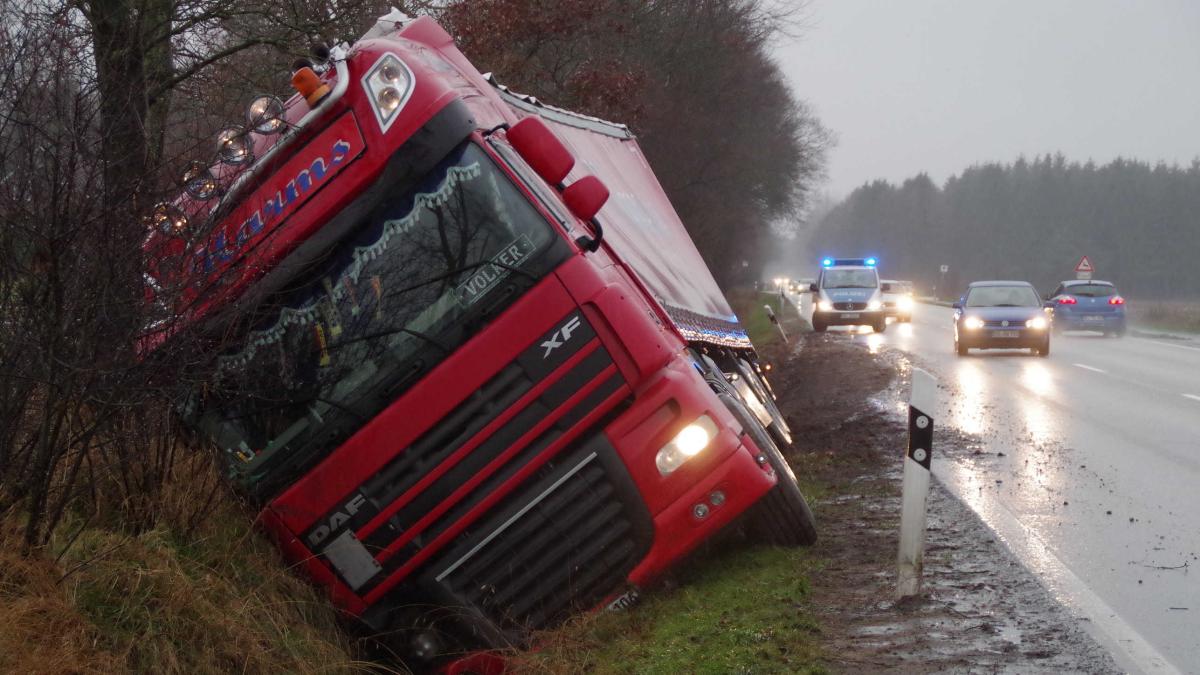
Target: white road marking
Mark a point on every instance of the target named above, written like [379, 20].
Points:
[1087, 367]
[1192, 396]
[1168, 344]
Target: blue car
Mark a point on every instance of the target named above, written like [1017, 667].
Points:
[1088, 305]
[1001, 315]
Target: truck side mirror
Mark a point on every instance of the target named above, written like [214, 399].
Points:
[812, 288]
[585, 196]
[541, 149]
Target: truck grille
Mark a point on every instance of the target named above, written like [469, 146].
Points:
[849, 306]
[568, 539]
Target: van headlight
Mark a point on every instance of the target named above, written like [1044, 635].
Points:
[874, 305]
[689, 442]
[825, 306]
[388, 84]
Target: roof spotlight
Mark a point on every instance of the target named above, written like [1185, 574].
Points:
[264, 115]
[198, 181]
[169, 219]
[233, 146]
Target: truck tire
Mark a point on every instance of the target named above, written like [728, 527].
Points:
[782, 516]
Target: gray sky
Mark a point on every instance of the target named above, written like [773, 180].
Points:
[938, 85]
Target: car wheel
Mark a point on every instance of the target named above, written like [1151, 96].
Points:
[782, 516]
[1044, 350]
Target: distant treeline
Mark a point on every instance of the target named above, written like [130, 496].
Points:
[1138, 223]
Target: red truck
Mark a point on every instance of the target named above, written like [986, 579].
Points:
[467, 359]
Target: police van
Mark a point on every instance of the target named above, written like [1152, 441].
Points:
[847, 293]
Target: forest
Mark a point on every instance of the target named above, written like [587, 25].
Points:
[1138, 223]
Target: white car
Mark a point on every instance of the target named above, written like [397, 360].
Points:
[897, 299]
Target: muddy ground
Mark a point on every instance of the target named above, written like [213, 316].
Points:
[980, 610]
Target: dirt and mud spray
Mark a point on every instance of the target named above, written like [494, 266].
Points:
[980, 610]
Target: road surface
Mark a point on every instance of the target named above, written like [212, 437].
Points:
[1087, 463]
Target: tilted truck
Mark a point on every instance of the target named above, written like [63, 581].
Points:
[470, 363]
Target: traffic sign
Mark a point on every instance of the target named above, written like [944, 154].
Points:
[1084, 269]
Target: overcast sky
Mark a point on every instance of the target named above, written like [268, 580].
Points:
[938, 85]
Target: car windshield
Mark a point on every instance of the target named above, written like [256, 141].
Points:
[1002, 296]
[419, 275]
[834, 278]
[1091, 290]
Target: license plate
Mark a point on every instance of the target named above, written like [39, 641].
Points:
[1093, 318]
[1006, 334]
[850, 315]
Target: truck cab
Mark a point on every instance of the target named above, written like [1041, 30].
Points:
[848, 292]
[452, 359]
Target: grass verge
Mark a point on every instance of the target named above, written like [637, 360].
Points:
[737, 610]
[218, 601]
[748, 305]
[1181, 317]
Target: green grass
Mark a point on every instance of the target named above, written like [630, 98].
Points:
[748, 305]
[741, 610]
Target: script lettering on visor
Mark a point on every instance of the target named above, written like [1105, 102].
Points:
[297, 180]
[490, 274]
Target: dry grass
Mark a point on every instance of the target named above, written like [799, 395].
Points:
[216, 600]
[1165, 315]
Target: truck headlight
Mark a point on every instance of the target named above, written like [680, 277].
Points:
[689, 442]
[825, 306]
[388, 83]
[973, 323]
[874, 305]
[1036, 323]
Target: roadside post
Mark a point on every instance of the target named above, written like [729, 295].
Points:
[915, 488]
[775, 320]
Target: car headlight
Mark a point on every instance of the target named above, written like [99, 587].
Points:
[825, 306]
[1036, 323]
[973, 323]
[874, 305]
[905, 302]
[389, 84]
[689, 442]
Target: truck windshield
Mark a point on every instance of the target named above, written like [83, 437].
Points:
[849, 279]
[419, 275]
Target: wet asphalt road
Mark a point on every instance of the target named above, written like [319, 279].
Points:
[1088, 464]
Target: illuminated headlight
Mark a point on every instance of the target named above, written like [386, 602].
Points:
[874, 305]
[388, 84]
[905, 302]
[973, 323]
[825, 306]
[1036, 323]
[689, 442]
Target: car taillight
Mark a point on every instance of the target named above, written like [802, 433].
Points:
[1116, 300]
[1067, 300]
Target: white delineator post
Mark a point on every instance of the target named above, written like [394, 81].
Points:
[915, 490]
[775, 319]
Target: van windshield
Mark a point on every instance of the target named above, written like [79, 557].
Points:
[420, 274]
[834, 278]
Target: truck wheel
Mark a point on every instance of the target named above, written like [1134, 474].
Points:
[782, 516]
